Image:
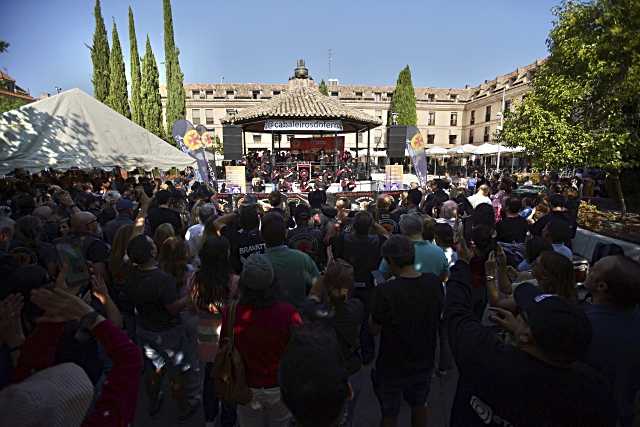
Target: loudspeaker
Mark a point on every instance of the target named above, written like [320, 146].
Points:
[232, 142]
[396, 140]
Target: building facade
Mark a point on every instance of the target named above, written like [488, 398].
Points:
[446, 117]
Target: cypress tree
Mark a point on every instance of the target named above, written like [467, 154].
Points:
[404, 100]
[118, 98]
[174, 77]
[323, 88]
[100, 57]
[150, 93]
[136, 108]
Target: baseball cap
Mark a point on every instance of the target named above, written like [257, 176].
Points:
[124, 204]
[257, 273]
[559, 327]
[398, 246]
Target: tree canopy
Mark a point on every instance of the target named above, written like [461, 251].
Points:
[404, 100]
[175, 87]
[136, 107]
[584, 109]
[118, 98]
[323, 88]
[100, 57]
[150, 93]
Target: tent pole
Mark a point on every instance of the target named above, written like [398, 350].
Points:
[368, 153]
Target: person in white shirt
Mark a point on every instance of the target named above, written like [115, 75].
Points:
[481, 196]
[193, 236]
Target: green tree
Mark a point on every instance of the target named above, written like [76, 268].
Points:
[404, 100]
[150, 93]
[174, 77]
[136, 107]
[3, 46]
[584, 109]
[118, 98]
[323, 88]
[8, 103]
[100, 57]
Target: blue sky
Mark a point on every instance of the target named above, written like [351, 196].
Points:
[446, 43]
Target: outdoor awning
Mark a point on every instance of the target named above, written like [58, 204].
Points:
[73, 129]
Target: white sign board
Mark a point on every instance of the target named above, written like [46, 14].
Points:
[304, 125]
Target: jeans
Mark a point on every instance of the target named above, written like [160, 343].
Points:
[212, 404]
[445, 362]
[357, 382]
[171, 354]
[367, 342]
[266, 409]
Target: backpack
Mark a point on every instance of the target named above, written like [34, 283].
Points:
[228, 372]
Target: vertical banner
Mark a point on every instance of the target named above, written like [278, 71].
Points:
[236, 179]
[415, 146]
[393, 177]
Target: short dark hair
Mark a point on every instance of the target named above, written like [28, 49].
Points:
[362, 223]
[428, 228]
[414, 196]
[622, 281]
[274, 229]
[313, 379]
[557, 201]
[443, 234]
[399, 250]
[275, 199]
[534, 247]
[162, 197]
[140, 249]
[514, 205]
[248, 216]
[559, 231]
[483, 214]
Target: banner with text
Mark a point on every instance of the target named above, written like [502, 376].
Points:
[236, 179]
[326, 143]
[303, 125]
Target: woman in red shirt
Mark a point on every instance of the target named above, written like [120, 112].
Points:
[261, 333]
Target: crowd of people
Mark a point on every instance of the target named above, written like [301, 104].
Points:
[274, 314]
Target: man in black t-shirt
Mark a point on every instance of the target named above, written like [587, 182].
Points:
[306, 238]
[242, 229]
[317, 197]
[535, 383]
[406, 312]
[513, 228]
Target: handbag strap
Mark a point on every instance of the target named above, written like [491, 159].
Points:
[232, 321]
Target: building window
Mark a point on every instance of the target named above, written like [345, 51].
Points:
[209, 93]
[255, 94]
[195, 93]
[432, 118]
[470, 136]
[231, 111]
[275, 92]
[486, 134]
[377, 96]
[487, 114]
[453, 139]
[507, 105]
[453, 96]
[195, 116]
[454, 119]
[334, 93]
[358, 94]
[208, 116]
[431, 139]
[257, 139]
[389, 95]
[473, 117]
[431, 97]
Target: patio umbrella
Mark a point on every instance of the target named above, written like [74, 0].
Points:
[434, 152]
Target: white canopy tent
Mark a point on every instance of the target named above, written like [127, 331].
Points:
[73, 129]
